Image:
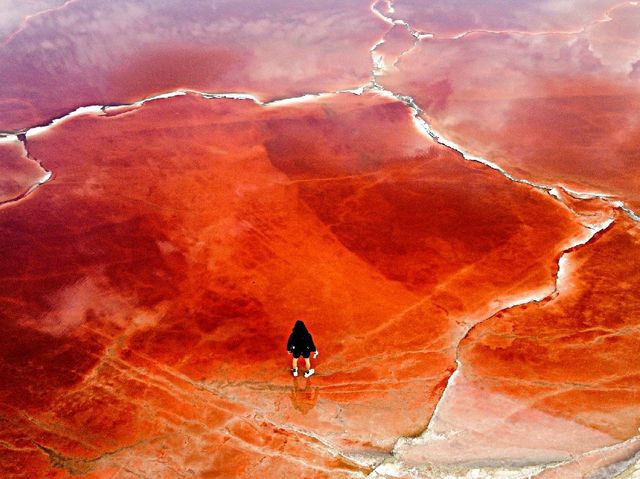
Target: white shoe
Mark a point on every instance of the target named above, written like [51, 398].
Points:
[309, 373]
[294, 371]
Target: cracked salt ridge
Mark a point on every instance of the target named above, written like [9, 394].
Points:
[47, 174]
[391, 465]
[378, 67]
[6, 136]
[378, 60]
[415, 33]
[21, 135]
[426, 129]
[419, 35]
[373, 87]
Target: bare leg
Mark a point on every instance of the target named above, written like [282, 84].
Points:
[307, 363]
[294, 363]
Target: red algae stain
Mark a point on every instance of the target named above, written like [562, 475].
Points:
[561, 110]
[573, 356]
[426, 226]
[149, 290]
[167, 68]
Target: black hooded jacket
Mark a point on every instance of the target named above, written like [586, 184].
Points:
[300, 339]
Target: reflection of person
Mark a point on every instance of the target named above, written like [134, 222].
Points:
[304, 400]
[301, 343]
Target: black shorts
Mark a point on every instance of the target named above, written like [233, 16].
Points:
[305, 354]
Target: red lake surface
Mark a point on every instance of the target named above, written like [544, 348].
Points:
[445, 193]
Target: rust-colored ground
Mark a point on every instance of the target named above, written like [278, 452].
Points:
[572, 336]
[475, 317]
[191, 246]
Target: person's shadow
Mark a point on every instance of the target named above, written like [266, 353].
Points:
[304, 400]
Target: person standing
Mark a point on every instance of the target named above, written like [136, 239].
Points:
[301, 344]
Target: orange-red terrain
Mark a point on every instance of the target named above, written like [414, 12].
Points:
[451, 212]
